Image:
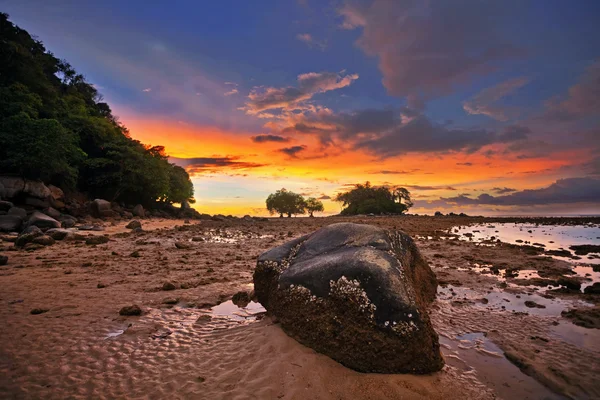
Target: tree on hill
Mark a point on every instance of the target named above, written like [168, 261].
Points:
[313, 205]
[367, 199]
[285, 202]
[55, 127]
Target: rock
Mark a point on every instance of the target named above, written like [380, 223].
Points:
[533, 304]
[56, 193]
[52, 212]
[74, 237]
[183, 245]
[37, 203]
[101, 209]
[37, 189]
[10, 223]
[3, 260]
[100, 285]
[138, 211]
[241, 299]
[587, 317]
[28, 235]
[593, 289]
[93, 240]
[135, 224]
[57, 233]
[17, 212]
[569, 283]
[127, 214]
[11, 186]
[37, 311]
[68, 223]
[42, 221]
[169, 286]
[171, 300]
[585, 249]
[135, 254]
[44, 240]
[131, 310]
[356, 293]
[5, 205]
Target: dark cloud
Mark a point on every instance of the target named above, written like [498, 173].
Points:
[583, 99]
[465, 164]
[563, 191]
[389, 133]
[324, 197]
[428, 47]
[487, 103]
[503, 190]
[418, 187]
[269, 138]
[200, 165]
[292, 151]
[394, 172]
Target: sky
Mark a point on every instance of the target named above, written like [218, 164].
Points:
[482, 107]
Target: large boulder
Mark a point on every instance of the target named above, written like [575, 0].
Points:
[18, 212]
[10, 223]
[37, 189]
[101, 208]
[138, 211]
[356, 293]
[37, 203]
[42, 221]
[56, 192]
[11, 186]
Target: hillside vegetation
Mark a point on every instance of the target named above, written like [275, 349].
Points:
[55, 127]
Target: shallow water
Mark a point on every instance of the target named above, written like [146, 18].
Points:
[473, 353]
[549, 237]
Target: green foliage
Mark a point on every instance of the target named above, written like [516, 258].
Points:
[55, 127]
[313, 205]
[285, 202]
[366, 199]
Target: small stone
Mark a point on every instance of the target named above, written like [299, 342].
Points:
[169, 286]
[135, 254]
[101, 286]
[131, 310]
[94, 240]
[37, 311]
[135, 224]
[44, 240]
[171, 300]
[183, 245]
[3, 260]
[241, 299]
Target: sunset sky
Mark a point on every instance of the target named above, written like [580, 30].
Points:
[483, 107]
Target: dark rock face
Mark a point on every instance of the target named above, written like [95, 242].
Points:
[18, 212]
[42, 221]
[10, 223]
[356, 293]
[5, 205]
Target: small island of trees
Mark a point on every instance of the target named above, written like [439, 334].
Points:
[367, 199]
[289, 203]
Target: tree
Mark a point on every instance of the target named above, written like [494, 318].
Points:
[55, 127]
[313, 205]
[286, 202]
[367, 199]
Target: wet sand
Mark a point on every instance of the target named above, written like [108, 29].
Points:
[82, 348]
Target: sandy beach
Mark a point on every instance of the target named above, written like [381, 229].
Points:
[182, 346]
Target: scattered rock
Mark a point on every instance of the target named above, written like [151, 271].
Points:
[593, 289]
[100, 285]
[170, 300]
[135, 254]
[42, 221]
[3, 260]
[587, 317]
[356, 293]
[138, 211]
[44, 240]
[135, 224]
[130, 310]
[68, 223]
[37, 311]
[183, 245]
[28, 235]
[169, 286]
[57, 233]
[533, 304]
[241, 299]
[585, 249]
[569, 283]
[93, 240]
